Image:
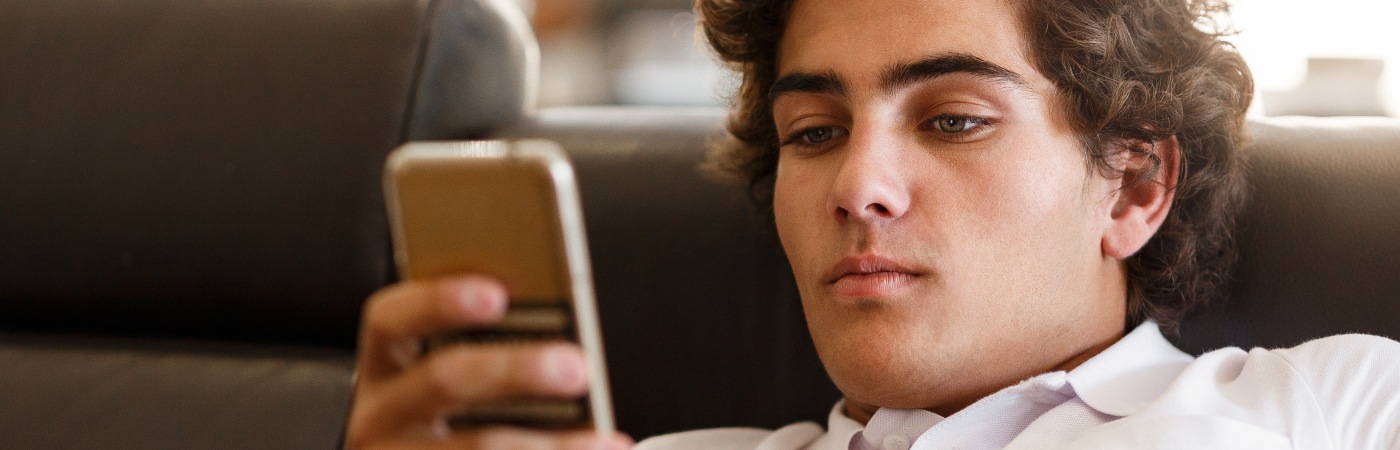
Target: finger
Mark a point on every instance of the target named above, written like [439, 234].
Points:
[455, 377]
[515, 438]
[502, 437]
[418, 308]
[525, 439]
[396, 318]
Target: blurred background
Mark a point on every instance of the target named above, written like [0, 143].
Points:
[1339, 58]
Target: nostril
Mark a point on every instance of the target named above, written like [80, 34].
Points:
[878, 210]
[840, 214]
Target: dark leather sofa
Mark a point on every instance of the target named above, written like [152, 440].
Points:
[190, 207]
[190, 218]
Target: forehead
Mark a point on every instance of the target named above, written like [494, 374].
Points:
[861, 39]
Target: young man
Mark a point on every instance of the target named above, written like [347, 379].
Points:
[991, 209]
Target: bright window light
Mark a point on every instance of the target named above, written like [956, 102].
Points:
[1277, 37]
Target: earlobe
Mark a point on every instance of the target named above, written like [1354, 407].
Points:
[1145, 193]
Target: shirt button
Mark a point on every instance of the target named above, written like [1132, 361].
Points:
[896, 442]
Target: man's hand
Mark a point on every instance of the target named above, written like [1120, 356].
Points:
[404, 398]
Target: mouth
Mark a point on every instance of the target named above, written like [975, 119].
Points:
[869, 275]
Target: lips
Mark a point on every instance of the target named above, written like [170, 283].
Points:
[869, 275]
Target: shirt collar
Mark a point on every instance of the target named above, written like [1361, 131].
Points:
[840, 429]
[1119, 381]
[1127, 376]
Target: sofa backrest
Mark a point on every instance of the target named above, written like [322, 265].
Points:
[1319, 240]
[211, 168]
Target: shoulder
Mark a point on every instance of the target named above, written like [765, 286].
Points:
[1334, 392]
[1351, 381]
[1355, 381]
[1332, 370]
[1325, 365]
[790, 437]
[1323, 361]
[1346, 372]
[1347, 354]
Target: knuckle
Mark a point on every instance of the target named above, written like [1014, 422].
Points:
[379, 308]
[444, 376]
[509, 369]
[495, 371]
[373, 313]
[466, 372]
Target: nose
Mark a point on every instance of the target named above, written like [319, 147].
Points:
[870, 185]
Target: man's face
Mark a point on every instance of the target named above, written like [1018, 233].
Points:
[940, 217]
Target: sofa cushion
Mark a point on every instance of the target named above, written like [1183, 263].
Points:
[68, 393]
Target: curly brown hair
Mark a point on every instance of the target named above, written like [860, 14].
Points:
[1129, 73]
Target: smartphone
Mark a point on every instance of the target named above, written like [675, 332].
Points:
[509, 210]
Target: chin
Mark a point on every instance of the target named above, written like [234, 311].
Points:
[887, 385]
[883, 365]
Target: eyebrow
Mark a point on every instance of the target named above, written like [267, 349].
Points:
[900, 75]
[904, 74]
[814, 83]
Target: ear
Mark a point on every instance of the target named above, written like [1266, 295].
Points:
[1144, 197]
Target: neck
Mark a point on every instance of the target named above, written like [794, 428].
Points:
[861, 412]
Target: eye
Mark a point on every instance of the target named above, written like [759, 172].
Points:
[955, 124]
[957, 129]
[818, 135]
[814, 136]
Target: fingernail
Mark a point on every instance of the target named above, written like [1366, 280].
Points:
[482, 301]
[564, 369]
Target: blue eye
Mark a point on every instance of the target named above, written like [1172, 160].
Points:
[956, 124]
[957, 129]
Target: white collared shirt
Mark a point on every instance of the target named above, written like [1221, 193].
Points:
[1341, 393]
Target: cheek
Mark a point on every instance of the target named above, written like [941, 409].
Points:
[783, 207]
[1031, 205]
[792, 198]
[1041, 183]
